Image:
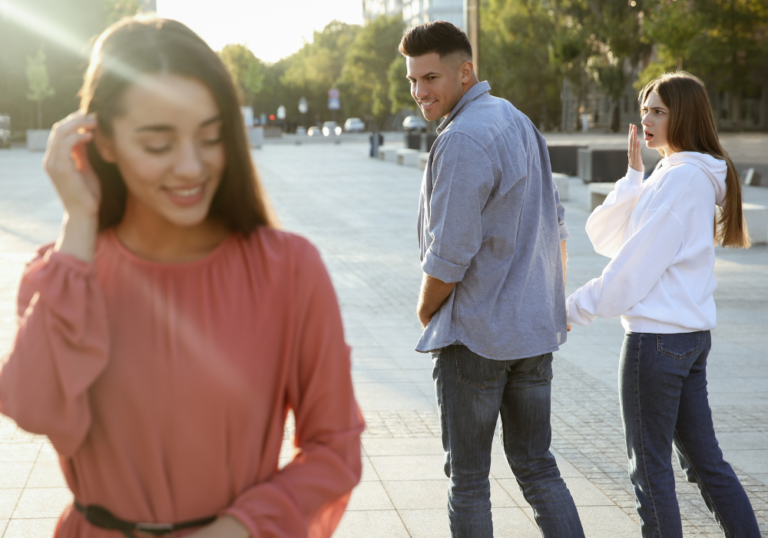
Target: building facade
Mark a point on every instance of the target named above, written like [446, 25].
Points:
[415, 12]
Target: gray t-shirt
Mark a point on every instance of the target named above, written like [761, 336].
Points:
[490, 218]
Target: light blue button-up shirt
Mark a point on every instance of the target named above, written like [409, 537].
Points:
[490, 219]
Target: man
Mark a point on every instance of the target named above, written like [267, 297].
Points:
[492, 301]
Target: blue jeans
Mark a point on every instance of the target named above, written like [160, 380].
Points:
[471, 392]
[663, 389]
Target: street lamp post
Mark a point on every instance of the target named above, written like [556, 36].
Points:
[303, 109]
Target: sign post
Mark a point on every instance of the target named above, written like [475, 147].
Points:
[333, 102]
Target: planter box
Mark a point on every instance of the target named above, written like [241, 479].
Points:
[37, 139]
[564, 159]
[256, 137]
[601, 165]
[561, 182]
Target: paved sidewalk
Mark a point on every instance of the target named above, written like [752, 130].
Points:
[361, 213]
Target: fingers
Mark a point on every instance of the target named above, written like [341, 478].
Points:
[77, 128]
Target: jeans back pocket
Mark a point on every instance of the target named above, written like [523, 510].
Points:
[477, 371]
[678, 346]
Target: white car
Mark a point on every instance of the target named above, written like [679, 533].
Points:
[331, 128]
[314, 131]
[354, 125]
[414, 123]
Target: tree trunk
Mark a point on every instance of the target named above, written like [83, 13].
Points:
[616, 117]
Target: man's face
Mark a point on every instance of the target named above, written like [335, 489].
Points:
[437, 85]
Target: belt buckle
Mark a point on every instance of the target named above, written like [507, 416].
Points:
[153, 529]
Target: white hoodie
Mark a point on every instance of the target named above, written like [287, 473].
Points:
[659, 235]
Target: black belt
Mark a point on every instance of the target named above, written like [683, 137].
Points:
[104, 519]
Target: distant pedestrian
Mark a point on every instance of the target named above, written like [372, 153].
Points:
[164, 337]
[492, 302]
[660, 235]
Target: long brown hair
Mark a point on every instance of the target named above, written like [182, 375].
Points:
[139, 46]
[692, 128]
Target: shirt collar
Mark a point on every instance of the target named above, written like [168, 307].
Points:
[473, 93]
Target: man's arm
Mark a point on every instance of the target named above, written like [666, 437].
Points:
[564, 254]
[432, 295]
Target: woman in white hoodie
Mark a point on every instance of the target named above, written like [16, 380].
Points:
[660, 235]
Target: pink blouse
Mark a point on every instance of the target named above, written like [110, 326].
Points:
[165, 387]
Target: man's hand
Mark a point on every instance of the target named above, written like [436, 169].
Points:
[433, 294]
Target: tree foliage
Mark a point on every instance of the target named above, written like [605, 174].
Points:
[247, 71]
[364, 78]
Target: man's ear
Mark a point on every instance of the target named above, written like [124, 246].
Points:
[105, 146]
[466, 70]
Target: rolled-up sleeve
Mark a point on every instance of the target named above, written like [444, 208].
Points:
[463, 176]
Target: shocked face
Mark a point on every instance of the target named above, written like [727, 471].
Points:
[168, 147]
[437, 83]
[655, 120]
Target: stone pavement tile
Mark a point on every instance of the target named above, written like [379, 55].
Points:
[369, 473]
[607, 522]
[749, 461]
[371, 524]
[742, 440]
[761, 477]
[19, 451]
[567, 470]
[424, 467]
[8, 500]
[47, 453]
[369, 352]
[39, 527]
[422, 363]
[370, 495]
[426, 446]
[507, 523]
[46, 474]
[360, 377]
[14, 474]
[585, 493]
[3, 526]
[373, 397]
[433, 494]
[42, 503]
[374, 364]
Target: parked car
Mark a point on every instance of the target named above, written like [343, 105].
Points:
[414, 123]
[331, 128]
[301, 131]
[314, 131]
[354, 125]
[5, 131]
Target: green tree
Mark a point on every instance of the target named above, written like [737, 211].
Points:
[399, 88]
[39, 86]
[516, 56]
[317, 66]
[247, 71]
[116, 10]
[364, 81]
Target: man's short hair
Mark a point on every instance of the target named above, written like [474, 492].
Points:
[439, 36]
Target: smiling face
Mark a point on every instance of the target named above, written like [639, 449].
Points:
[168, 146]
[437, 84]
[655, 120]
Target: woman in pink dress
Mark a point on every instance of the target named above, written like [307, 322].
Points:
[165, 335]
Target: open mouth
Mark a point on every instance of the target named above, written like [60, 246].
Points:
[426, 105]
[186, 196]
[648, 136]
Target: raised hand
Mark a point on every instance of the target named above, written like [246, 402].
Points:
[66, 162]
[634, 154]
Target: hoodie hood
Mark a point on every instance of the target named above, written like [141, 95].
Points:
[715, 169]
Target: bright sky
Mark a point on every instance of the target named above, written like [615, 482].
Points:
[272, 29]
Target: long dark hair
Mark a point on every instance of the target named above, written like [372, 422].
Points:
[139, 46]
[692, 128]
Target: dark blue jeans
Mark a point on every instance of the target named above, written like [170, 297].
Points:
[663, 389]
[471, 393]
